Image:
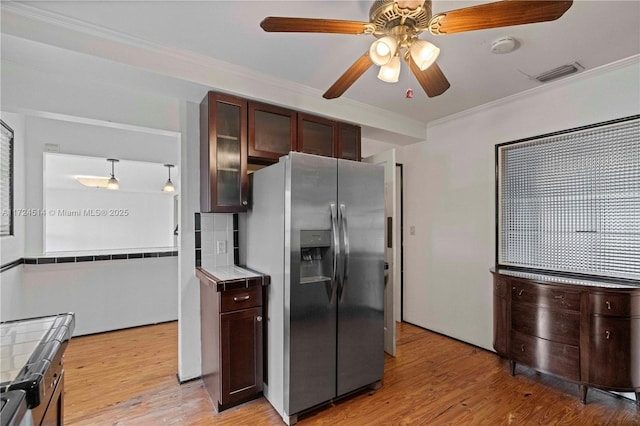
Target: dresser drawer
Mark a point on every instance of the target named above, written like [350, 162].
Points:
[543, 355]
[545, 295]
[243, 298]
[557, 325]
[618, 305]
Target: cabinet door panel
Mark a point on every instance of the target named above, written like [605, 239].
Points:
[614, 352]
[241, 344]
[272, 131]
[317, 135]
[348, 142]
[223, 156]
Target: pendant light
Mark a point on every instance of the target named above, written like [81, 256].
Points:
[113, 182]
[168, 187]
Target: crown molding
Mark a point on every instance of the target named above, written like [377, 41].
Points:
[603, 69]
[207, 67]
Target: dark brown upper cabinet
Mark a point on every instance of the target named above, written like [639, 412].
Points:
[348, 142]
[272, 132]
[317, 135]
[223, 156]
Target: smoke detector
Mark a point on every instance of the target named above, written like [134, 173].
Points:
[504, 45]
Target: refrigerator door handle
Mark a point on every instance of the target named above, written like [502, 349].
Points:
[336, 251]
[345, 236]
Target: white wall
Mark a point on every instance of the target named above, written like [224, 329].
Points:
[189, 290]
[133, 220]
[449, 193]
[106, 295]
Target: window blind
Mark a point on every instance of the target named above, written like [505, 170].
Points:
[6, 180]
[570, 202]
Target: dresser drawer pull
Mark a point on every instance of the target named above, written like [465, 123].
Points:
[521, 292]
[522, 348]
[607, 334]
[608, 304]
[241, 299]
[259, 318]
[558, 297]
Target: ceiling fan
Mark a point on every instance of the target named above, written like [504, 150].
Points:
[396, 24]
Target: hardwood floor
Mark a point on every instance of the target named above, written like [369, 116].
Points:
[129, 378]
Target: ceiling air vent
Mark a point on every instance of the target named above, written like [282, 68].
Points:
[559, 72]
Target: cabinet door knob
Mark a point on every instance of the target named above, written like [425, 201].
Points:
[608, 304]
[258, 318]
[244, 203]
[607, 334]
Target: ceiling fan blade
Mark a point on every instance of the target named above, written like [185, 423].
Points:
[497, 14]
[345, 81]
[309, 25]
[432, 79]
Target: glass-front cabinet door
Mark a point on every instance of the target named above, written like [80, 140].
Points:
[317, 135]
[272, 131]
[348, 142]
[223, 156]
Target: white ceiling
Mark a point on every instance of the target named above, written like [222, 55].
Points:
[592, 33]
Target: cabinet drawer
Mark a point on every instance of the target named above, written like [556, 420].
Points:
[242, 298]
[545, 295]
[546, 356]
[557, 325]
[619, 305]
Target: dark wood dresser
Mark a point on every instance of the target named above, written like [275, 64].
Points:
[231, 329]
[588, 333]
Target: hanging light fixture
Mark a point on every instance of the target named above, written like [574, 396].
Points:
[168, 187]
[391, 71]
[113, 182]
[383, 50]
[423, 53]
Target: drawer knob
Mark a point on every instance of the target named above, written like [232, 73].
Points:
[244, 203]
[608, 304]
[521, 292]
[607, 334]
[259, 318]
[522, 348]
[240, 299]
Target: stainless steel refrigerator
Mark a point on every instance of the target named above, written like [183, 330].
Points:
[316, 225]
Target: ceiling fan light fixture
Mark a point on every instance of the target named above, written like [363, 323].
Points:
[391, 71]
[383, 50]
[424, 54]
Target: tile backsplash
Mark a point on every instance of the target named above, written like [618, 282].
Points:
[215, 240]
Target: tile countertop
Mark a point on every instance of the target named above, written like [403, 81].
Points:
[232, 277]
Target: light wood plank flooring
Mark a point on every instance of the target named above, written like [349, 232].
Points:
[129, 378]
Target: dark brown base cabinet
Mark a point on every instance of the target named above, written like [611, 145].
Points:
[231, 341]
[587, 334]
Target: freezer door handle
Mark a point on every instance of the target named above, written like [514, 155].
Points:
[345, 236]
[336, 251]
